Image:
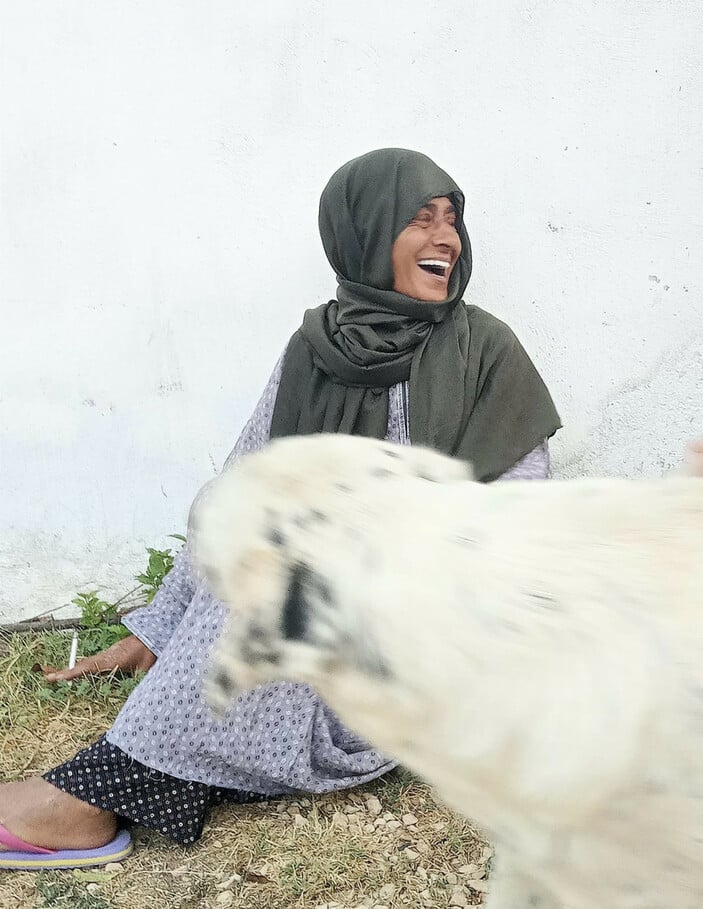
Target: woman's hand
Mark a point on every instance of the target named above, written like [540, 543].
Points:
[127, 655]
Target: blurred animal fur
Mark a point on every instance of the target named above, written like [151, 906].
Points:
[534, 649]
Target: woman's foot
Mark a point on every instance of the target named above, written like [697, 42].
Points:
[41, 814]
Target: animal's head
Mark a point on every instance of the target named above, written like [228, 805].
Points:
[282, 538]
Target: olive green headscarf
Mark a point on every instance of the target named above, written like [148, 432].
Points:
[473, 391]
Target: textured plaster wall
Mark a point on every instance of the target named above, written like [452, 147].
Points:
[160, 166]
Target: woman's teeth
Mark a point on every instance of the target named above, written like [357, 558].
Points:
[434, 266]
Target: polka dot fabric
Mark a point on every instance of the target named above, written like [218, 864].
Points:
[104, 776]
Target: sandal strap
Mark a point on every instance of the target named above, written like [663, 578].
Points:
[15, 844]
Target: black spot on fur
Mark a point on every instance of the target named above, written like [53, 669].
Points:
[295, 617]
[370, 660]
[380, 669]
[257, 633]
[253, 656]
[545, 600]
[314, 516]
[323, 590]
[463, 540]
[270, 657]
[225, 682]
[275, 537]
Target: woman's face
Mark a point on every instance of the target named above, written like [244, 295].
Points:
[425, 253]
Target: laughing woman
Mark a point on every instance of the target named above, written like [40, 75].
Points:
[397, 355]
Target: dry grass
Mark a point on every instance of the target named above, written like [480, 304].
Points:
[385, 845]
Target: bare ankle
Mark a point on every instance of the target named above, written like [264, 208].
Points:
[43, 815]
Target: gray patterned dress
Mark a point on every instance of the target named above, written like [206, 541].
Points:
[166, 760]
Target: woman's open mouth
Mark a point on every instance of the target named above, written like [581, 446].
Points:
[436, 268]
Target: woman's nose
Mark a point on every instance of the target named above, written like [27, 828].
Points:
[445, 235]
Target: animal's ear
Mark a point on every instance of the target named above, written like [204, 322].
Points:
[295, 618]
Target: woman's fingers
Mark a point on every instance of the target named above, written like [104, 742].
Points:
[126, 655]
[87, 666]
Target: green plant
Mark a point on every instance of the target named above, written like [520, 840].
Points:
[101, 628]
[160, 563]
[102, 689]
[57, 890]
[101, 621]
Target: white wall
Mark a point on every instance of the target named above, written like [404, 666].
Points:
[161, 164]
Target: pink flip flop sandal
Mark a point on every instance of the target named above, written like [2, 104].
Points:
[16, 855]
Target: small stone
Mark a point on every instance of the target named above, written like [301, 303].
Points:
[487, 853]
[226, 898]
[409, 820]
[393, 825]
[374, 806]
[387, 891]
[300, 821]
[93, 888]
[231, 879]
[388, 816]
[451, 878]
[425, 895]
[478, 886]
[421, 872]
[178, 872]
[114, 867]
[294, 810]
[217, 844]
[439, 827]
[340, 820]
[458, 898]
[369, 828]
[379, 822]
[411, 855]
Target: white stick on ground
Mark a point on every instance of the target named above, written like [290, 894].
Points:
[74, 650]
